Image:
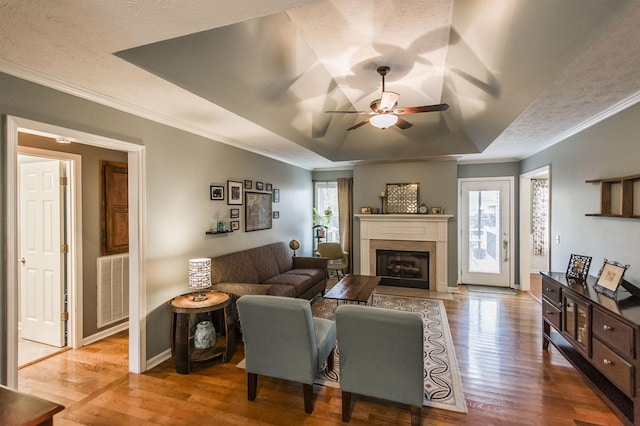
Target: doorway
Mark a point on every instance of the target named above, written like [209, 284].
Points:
[535, 220]
[136, 161]
[486, 226]
[47, 277]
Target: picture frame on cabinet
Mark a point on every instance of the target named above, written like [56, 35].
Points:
[578, 267]
[610, 277]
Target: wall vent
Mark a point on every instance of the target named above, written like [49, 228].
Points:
[113, 289]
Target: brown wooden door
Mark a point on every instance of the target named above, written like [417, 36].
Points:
[115, 208]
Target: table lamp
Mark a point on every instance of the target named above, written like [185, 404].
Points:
[294, 245]
[199, 277]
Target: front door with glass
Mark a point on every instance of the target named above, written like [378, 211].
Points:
[485, 230]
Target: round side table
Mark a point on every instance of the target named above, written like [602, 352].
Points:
[185, 314]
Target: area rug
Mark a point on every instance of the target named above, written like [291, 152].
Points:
[489, 289]
[442, 383]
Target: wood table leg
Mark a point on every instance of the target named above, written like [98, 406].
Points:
[181, 343]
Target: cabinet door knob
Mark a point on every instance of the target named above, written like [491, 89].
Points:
[548, 312]
[548, 290]
[607, 328]
[606, 362]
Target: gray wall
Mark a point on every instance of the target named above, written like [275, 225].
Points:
[438, 187]
[608, 149]
[180, 168]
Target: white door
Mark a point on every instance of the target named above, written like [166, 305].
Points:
[485, 228]
[42, 258]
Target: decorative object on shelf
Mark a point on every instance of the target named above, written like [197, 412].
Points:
[213, 225]
[222, 226]
[436, 210]
[578, 266]
[257, 211]
[365, 210]
[610, 277]
[248, 184]
[383, 195]
[199, 277]
[235, 192]
[268, 187]
[235, 225]
[234, 213]
[423, 209]
[375, 210]
[259, 186]
[216, 192]
[276, 195]
[402, 198]
[276, 215]
[205, 335]
[294, 245]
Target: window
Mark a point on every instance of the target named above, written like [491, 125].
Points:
[326, 200]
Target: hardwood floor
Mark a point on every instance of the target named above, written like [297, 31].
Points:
[507, 379]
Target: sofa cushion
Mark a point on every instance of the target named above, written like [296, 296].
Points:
[282, 255]
[300, 282]
[234, 267]
[264, 262]
[281, 290]
[316, 274]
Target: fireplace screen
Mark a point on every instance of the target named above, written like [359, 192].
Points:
[403, 268]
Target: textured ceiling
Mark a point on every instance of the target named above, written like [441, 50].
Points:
[519, 75]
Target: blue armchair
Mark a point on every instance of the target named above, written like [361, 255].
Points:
[381, 355]
[283, 340]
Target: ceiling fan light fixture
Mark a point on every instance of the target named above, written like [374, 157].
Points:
[382, 121]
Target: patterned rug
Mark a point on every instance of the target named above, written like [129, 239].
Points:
[442, 384]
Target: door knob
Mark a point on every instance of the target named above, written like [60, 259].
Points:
[22, 260]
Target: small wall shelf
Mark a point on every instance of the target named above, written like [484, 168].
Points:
[626, 198]
[217, 232]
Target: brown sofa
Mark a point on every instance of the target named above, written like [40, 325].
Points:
[269, 269]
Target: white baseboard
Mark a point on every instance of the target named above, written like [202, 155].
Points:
[105, 333]
[158, 359]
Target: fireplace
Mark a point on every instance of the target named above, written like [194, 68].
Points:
[406, 233]
[403, 268]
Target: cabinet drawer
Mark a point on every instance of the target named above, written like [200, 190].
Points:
[616, 334]
[551, 291]
[619, 371]
[551, 314]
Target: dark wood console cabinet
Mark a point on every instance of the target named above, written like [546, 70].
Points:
[599, 336]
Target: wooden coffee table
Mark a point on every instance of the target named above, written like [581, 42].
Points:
[354, 288]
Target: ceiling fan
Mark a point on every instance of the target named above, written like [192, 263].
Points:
[385, 110]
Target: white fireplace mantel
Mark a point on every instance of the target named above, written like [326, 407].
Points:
[405, 227]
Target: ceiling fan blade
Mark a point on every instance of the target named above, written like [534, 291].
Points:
[424, 108]
[388, 100]
[403, 124]
[360, 124]
[346, 112]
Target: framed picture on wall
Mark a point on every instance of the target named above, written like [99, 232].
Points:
[276, 195]
[257, 211]
[216, 192]
[234, 213]
[235, 192]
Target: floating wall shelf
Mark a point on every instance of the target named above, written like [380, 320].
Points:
[626, 199]
[217, 232]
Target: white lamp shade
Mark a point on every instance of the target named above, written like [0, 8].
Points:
[382, 121]
[200, 273]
